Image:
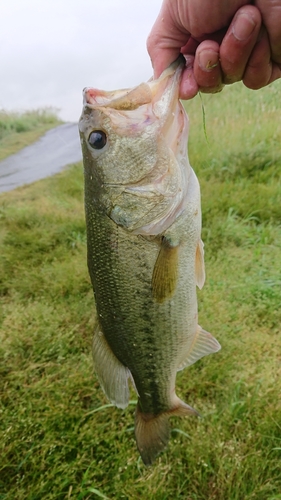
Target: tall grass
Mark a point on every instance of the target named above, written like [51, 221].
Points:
[60, 439]
[20, 129]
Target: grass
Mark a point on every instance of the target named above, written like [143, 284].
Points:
[60, 439]
[18, 130]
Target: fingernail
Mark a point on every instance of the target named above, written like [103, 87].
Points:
[243, 27]
[208, 59]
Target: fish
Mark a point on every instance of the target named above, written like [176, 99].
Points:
[144, 250]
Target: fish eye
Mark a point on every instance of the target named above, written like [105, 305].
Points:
[97, 139]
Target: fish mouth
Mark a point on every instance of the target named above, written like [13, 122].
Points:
[165, 88]
[130, 99]
[150, 102]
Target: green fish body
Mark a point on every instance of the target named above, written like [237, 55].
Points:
[145, 254]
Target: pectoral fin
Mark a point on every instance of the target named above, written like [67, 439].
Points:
[199, 265]
[112, 375]
[165, 273]
[204, 343]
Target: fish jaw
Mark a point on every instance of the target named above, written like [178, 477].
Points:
[171, 183]
[161, 94]
[131, 111]
[168, 109]
[149, 121]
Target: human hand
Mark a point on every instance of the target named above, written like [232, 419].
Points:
[223, 41]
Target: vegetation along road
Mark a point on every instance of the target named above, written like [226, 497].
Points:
[57, 148]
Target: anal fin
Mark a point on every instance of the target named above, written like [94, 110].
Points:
[203, 344]
[112, 374]
[165, 272]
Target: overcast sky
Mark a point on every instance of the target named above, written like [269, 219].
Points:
[51, 49]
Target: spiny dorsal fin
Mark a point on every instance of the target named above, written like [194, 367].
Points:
[199, 265]
[165, 272]
[203, 344]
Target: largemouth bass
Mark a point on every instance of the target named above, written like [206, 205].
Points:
[145, 254]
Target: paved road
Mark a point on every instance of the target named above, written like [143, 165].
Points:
[59, 147]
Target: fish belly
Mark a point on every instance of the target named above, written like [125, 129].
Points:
[147, 337]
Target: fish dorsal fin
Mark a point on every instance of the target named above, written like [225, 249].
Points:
[112, 375]
[165, 272]
[203, 344]
[199, 265]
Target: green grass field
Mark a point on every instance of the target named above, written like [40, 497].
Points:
[59, 437]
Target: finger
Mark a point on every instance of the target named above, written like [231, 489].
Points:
[189, 86]
[259, 67]
[162, 53]
[276, 72]
[207, 70]
[165, 41]
[271, 16]
[191, 46]
[239, 42]
[261, 70]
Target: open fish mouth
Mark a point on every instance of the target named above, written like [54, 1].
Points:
[155, 100]
[129, 99]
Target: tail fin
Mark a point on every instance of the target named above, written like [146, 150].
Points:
[153, 431]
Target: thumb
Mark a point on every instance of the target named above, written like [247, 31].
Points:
[165, 41]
